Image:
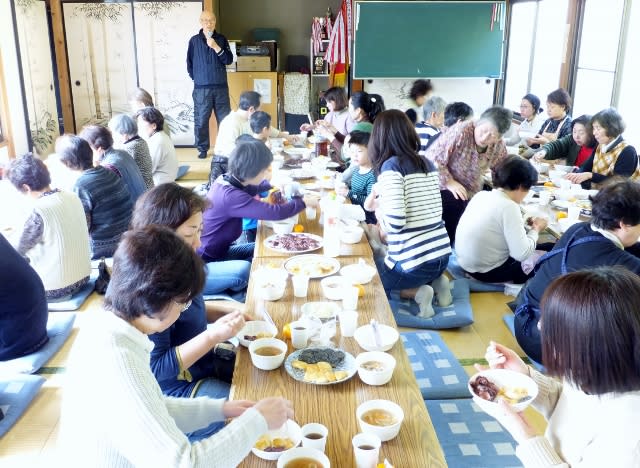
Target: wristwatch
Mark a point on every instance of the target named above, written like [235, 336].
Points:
[225, 350]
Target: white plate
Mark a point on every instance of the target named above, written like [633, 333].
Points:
[302, 174]
[561, 204]
[297, 151]
[269, 242]
[348, 364]
[317, 266]
[332, 165]
[291, 430]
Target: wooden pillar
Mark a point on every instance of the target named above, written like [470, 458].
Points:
[64, 81]
[570, 49]
[4, 116]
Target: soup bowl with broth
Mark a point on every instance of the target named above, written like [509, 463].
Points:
[380, 417]
[303, 457]
[267, 353]
[375, 367]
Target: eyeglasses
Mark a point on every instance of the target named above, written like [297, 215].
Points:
[183, 305]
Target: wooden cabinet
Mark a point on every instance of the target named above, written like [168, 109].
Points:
[265, 83]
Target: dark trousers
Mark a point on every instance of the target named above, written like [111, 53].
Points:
[452, 209]
[206, 100]
[511, 270]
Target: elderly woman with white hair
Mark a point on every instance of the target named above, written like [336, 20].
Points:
[125, 137]
[433, 110]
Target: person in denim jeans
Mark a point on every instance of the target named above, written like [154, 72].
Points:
[207, 58]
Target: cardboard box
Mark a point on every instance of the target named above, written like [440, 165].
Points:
[254, 63]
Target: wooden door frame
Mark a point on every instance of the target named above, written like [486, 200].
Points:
[4, 115]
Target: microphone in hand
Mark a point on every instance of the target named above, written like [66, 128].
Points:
[209, 34]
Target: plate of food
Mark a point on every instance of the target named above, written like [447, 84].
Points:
[561, 204]
[491, 385]
[294, 242]
[300, 174]
[322, 310]
[321, 366]
[314, 266]
[275, 442]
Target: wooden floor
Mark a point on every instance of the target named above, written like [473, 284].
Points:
[32, 440]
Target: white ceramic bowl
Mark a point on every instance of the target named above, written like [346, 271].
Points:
[564, 194]
[376, 377]
[297, 153]
[320, 310]
[252, 328]
[358, 273]
[291, 430]
[267, 362]
[506, 379]
[333, 286]
[384, 432]
[542, 168]
[388, 337]
[282, 227]
[565, 169]
[303, 452]
[271, 291]
[351, 234]
[555, 174]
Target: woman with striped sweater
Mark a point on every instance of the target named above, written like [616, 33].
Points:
[407, 202]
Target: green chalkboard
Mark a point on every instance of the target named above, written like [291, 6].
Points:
[400, 39]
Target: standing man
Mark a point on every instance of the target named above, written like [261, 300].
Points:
[207, 58]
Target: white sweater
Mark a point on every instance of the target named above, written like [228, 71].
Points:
[63, 256]
[491, 230]
[115, 415]
[236, 123]
[163, 158]
[584, 431]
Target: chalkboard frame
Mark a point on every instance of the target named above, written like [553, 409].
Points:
[463, 42]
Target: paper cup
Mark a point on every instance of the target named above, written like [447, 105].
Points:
[299, 335]
[314, 436]
[350, 298]
[348, 322]
[573, 212]
[300, 285]
[366, 448]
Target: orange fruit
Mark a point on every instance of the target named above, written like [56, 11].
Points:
[286, 331]
[548, 184]
[298, 228]
[360, 289]
[561, 214]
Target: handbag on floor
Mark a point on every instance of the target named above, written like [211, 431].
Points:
[103, 277]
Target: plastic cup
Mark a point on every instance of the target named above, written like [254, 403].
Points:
[300, 285]
[310, 212]
[299, 335]
[314, 436]
[350, 298]
[366, 448]
[545, 197]
[348, 322]
[573, 212]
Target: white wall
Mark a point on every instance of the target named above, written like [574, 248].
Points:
[12, 79]
[474, 91]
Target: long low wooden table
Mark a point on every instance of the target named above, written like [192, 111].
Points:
[335, 405]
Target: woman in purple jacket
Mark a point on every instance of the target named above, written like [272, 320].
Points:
[231, 198]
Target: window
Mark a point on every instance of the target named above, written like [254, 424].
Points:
[627, 98]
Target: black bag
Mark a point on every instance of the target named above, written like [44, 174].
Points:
[103, 277]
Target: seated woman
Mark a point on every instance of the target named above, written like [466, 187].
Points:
[101, 142]
[105, 198]
[409, 210]
[231, 198]
[184, 358]
[492, 239]
[23, 306]
[125, 137]
[163, 154]
[463, 153]
[338, 115]
[559, 122]
[530, 111]
[113, 410]
[615, 224]
[591, 396]
[612, 157]
[434, 120]
[55, 238]
[573, 149]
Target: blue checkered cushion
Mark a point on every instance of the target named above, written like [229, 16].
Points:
[469, 437]
[16, 393]
[59, 327]
[508, 320]
[76, 300]
[455, 270]
[458, 314]
[437, 370]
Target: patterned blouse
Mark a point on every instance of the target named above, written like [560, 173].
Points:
[457, 157]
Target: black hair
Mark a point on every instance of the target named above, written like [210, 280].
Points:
[393, 134]
[611, 121]
[585, 121]
[371, 104]
[420, 88]
[152, 267]
[30, 171]
[249, 99]
[153, 116]
[248, 159]
[412, 115]
[457, 111]
[168, 205]
[259, 120]
[356, 137]
[141, 95]
[514, 173]
[535, 102]
[74, 152]
[616, 202]
[590, 326]
[561, 98]
[97, 136]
